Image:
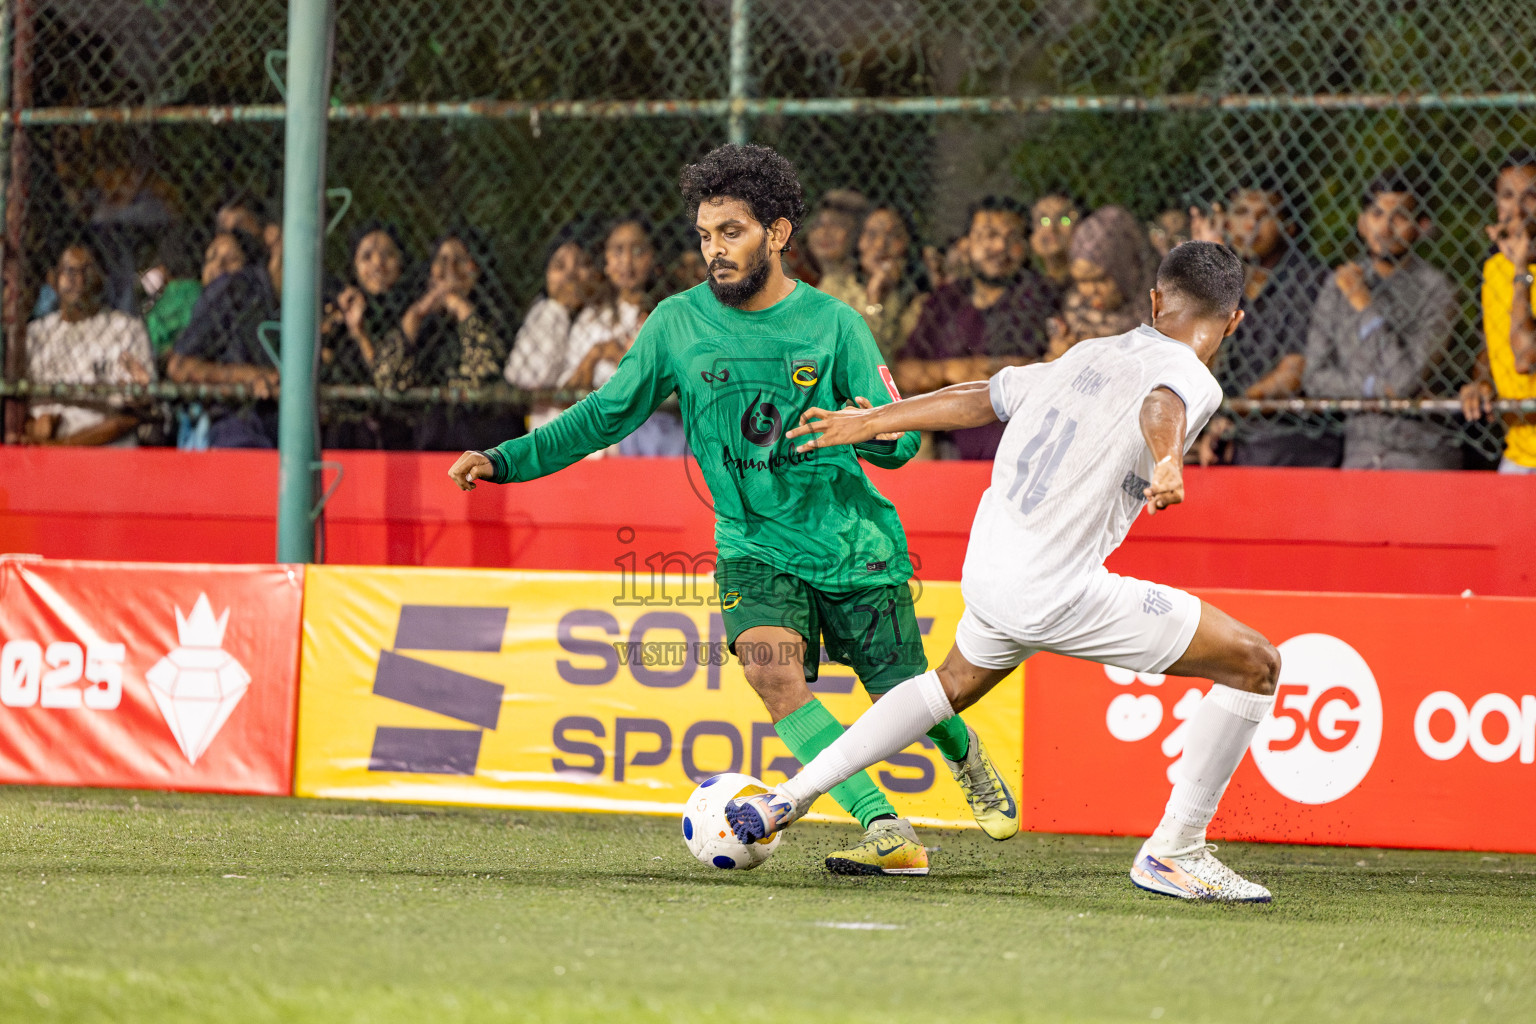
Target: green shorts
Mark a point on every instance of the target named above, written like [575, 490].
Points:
[873, 630]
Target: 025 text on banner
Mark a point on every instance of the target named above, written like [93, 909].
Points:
[155, 676]
[565, 690]
[1398, 721]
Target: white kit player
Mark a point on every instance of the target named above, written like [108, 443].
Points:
[1090, 439]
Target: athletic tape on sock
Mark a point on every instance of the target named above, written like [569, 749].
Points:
[933, 693]
[1251, 707]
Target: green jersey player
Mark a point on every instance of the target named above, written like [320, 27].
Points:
[808, 551]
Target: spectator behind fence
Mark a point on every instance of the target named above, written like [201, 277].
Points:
[1381, 329]
[246, 212]
[453, 335]
[541, 353]
[84, 342]
[363, 311]
[172, 286]
[222, 345]
[1113, 267]
[605, 329]
[1053, 221]
[832, 239]
[1506, 367]
[1266, 355]
[886, 291]
[1168, 230]
[972, 328]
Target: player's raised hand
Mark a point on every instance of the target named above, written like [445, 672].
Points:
[468, 468]
[828, 427]
[1167, 487]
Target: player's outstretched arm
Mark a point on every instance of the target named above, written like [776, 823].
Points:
[1163, 426]
[952, 408]
[606, 416]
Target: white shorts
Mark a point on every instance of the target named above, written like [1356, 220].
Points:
[1118, 620]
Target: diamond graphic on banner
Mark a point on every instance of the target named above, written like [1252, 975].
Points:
[197, 685]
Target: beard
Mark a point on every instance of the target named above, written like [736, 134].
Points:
[996, 281]
[753, 277]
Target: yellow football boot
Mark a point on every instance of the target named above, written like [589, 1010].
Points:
[992, 802]
[889, 847]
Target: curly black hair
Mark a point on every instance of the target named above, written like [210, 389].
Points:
[755, 175]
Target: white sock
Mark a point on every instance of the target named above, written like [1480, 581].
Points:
[1220, 731]
[897, 720]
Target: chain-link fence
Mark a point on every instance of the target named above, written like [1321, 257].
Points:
[144, 126]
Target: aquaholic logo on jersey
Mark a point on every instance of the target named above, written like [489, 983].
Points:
[1322, 737]
[761, 423]
[1316, 746]
[758, 398]
[198, 684]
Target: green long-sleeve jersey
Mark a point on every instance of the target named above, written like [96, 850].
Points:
[743, 379]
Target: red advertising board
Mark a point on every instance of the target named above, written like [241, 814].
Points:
[153, 676]
[1398, 721]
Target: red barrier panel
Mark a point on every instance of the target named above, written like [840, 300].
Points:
[1269, 529]
[1399, 721]
[158, 677]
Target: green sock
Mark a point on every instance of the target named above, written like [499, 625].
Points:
[952, 738]
[810, 730]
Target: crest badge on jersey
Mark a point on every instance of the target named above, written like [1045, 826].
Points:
[730, 599]
[803, 373]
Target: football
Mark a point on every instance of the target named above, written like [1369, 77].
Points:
[707, 834]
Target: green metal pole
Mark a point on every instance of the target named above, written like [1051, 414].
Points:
[309, 74]
[740, 57]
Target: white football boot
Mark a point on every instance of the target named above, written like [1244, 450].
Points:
[1194, 875]
[756, 817]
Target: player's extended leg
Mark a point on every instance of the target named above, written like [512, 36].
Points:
[1244, 667]
[897, 720]
[773, 658]
[875, 631]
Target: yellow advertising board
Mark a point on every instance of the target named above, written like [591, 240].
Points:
[569, 690]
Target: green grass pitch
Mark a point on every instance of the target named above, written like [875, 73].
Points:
[121, 906]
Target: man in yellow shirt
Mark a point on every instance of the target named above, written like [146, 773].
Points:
[1507, 365]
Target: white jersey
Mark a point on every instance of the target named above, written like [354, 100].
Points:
[1069, 473]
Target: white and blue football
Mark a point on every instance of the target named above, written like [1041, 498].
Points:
[707, 834]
